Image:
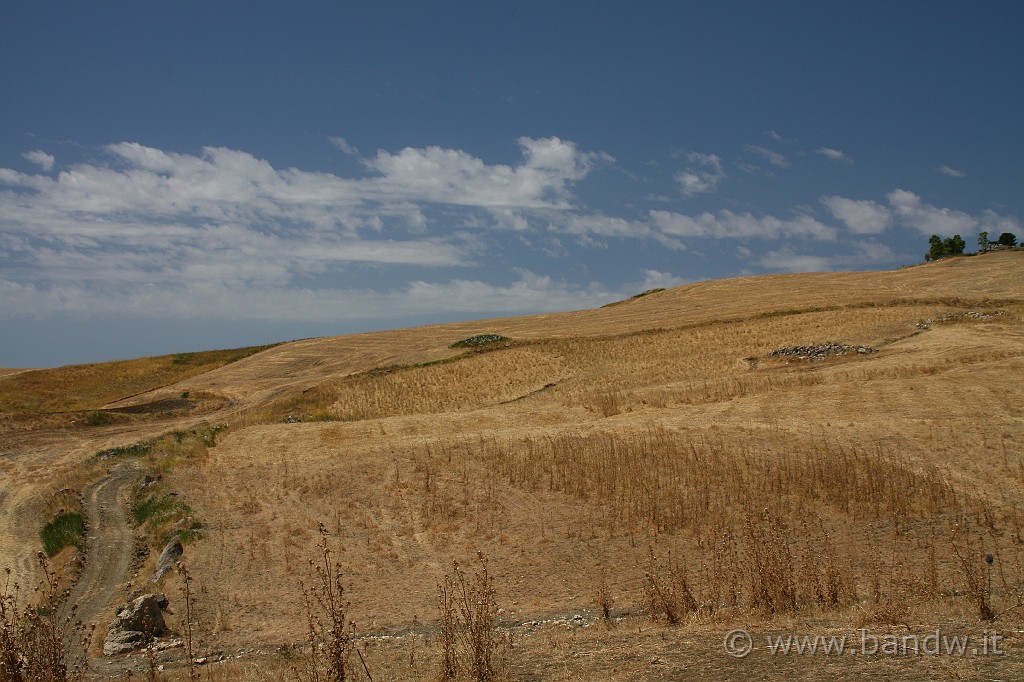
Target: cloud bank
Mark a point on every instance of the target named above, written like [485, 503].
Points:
[224, 234]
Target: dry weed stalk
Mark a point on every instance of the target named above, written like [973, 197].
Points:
[36, 642]
[604, 596]
[330, 632]
[186, 591]
[977, 571]
[770, 561]
[665, 480]
[666, 590]
[468, 616]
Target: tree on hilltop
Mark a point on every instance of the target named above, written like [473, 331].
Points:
[1007, 239]
[941, 248]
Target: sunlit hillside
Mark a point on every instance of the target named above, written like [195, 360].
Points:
[808, 453]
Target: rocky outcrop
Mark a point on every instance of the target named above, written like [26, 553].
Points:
[956, 317]
[135, 624]
[165, 564]
[168, 558]
[819, 351]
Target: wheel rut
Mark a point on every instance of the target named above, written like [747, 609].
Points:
[109, 546]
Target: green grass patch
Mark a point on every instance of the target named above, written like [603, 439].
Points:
[160, 509]
[163, 515]
[66, 530]
[191, 534]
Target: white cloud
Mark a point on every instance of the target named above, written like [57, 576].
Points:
[907, 208]
[223, 232]
[858, 255]
[654, 279]
[702, 178]
[148, 186]
[728, 225]
[41, 159]
[449, 176]
[950, 172]
[343, 144]
[833, 154]
[787, 260]
[861, 217]
[774, 158]
[996, 224]
[929, 219]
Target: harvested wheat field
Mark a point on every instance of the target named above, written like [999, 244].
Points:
[596, 495]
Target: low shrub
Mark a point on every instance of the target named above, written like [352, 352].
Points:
[65, 530]
[99, 419]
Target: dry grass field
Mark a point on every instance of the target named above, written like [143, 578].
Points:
[642, 479]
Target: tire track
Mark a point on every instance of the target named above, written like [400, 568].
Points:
[109, 547]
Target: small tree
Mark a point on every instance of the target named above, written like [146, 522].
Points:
[955, 245]
[1008, 239]
[937, 250]
[983, 242]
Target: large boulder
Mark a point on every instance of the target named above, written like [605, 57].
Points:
[135, 624]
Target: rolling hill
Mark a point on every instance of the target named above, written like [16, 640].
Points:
[809, 452]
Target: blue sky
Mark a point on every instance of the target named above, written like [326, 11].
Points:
[183, 176]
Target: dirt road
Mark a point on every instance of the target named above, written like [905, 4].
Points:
[109, 547]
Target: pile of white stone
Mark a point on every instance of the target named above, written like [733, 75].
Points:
[819, 351]
[952, 317]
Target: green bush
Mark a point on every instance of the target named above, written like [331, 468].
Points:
[66, 529]
[99, 418]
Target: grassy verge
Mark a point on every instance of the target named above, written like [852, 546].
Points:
[157, 511]
[162, 515]
[188, 443]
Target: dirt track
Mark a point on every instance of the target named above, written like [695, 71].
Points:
[109, 547]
